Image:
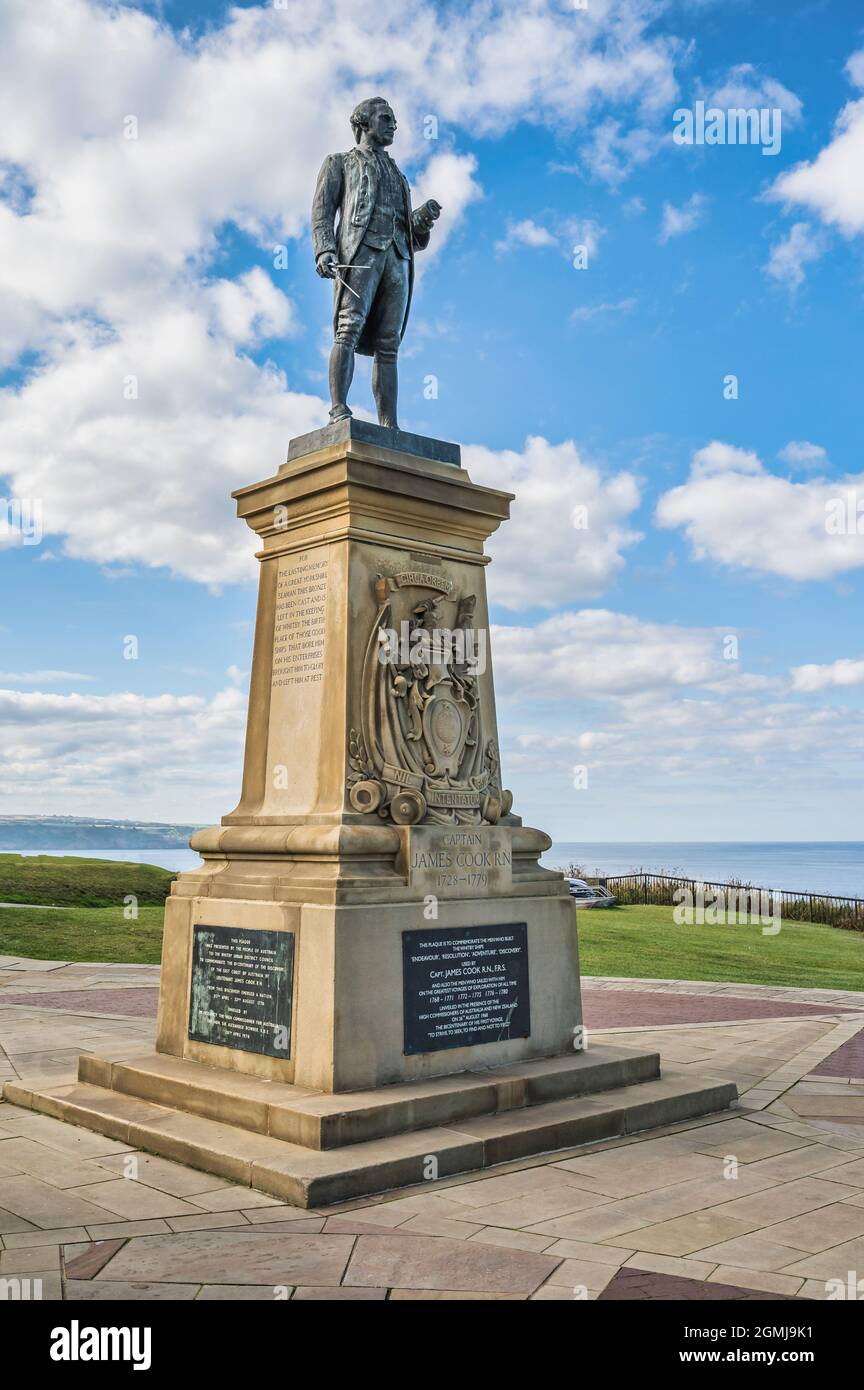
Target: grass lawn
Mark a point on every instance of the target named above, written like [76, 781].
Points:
[46, 878]
[85, 902]
[82, 933]
[633, 941]
[644, 942]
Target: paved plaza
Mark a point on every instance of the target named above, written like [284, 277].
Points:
[765, 1201]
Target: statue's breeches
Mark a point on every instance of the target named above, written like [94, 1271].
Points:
[379, 313]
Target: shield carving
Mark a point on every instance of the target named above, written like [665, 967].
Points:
[446, 721]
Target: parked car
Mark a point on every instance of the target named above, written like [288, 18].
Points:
[590, 894]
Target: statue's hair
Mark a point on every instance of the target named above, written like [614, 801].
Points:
[362, 113]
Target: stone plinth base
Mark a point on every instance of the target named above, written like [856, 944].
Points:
[314, 1148]
[348, 1011]
[370, 980]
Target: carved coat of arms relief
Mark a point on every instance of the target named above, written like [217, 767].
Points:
[421, 753]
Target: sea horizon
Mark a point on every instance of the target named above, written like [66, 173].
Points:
[802, 866]
[833, 867]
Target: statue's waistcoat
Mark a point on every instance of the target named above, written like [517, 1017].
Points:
[387, 221]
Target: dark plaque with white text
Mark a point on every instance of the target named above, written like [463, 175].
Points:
[465, 985]
[241, 989]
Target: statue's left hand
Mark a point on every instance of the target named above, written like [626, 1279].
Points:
[430, 211]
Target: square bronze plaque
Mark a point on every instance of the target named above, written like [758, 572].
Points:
[465, 985]
[242, 982]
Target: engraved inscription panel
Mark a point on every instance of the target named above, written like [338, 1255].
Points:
[298, 638]
[241, 989]
[460, 862]
[465, 985]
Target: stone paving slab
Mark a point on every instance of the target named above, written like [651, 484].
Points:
[91, 1291]
[43, 1205]
[234, 1257]
[233, 1293]
[29, 965]
[339, 1294]
[432, 1263]
[764, 1203]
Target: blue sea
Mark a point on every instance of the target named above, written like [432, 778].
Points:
[175, 859]
[796, 866]
[812, 866]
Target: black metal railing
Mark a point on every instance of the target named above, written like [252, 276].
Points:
[659, 890]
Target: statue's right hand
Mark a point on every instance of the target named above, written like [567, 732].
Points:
[326, 265]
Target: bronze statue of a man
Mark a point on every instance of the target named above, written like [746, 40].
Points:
[369, 256]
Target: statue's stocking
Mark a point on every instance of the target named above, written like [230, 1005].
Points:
[341, 372]
[385, 390]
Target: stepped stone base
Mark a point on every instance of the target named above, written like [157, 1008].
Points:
[313, 1148]
[370, 980]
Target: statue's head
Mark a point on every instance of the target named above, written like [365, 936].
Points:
[374, 116]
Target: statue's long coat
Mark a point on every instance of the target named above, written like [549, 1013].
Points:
[348, 185]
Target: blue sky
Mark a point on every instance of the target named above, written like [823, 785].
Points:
[153, 258]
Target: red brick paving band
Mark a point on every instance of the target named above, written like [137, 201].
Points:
[847, 1061]
[603, 1008]
[132, 1002]
[632, 1285]
[607, 1008]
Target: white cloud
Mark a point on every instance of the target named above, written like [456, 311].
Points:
[586, 312]
[802, 245]
[573, 233]
[42, 677]
[745, 86]
[251, 309]
[665, 727]
[525, 233]
[146, 481]
[565, 505]
[658, 747]
[678, 221]
[449, 178]
[600, 653]
[837, 673]
[831, 185]
[800, 453]
[613, 153]
[222, 136]
[719, 458]
[583, 232]
[735, 512]
[108, 244]
[169, 756]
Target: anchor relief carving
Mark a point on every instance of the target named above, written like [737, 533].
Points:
[421, 753]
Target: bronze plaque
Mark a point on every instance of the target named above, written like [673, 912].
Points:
[242, 983]
[465, 985]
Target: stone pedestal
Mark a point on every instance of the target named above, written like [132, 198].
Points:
[372, 802]
[370, 967]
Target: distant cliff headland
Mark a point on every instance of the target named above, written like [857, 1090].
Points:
[39, 833]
